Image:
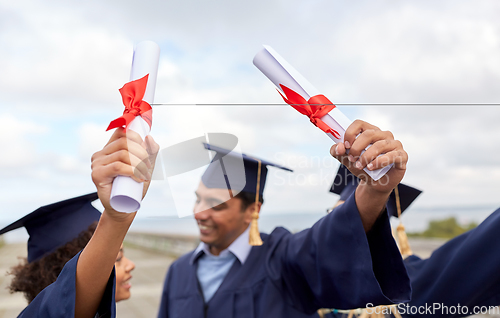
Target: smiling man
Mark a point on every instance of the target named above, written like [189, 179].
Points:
[346, 260]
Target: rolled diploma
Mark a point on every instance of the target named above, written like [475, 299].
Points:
[279, 71]
[126, 193]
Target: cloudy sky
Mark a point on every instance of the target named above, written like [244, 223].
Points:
[425, 70]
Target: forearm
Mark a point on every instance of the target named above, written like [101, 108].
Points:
[370, 204]
[96, 262]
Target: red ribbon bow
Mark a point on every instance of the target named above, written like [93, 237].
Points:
[316, 107]
[132, 95]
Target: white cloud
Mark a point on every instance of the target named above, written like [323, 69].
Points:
[15, 139]
[56, 58]
[65, 61]
[452, 151]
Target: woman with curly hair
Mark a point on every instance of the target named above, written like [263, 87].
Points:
[32, 278]
[85, 284]
[61, 221]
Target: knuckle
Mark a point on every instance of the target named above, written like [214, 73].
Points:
[123, 155]
[95, 174]
[95, 163]
[123, 143]
[115, 167]
[379, 145]
[369, 132]
[96, 155]
[397, 145]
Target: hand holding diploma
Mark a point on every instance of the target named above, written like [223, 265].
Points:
[302, 96]
[137, 96]
[371, 195]
[126, 155]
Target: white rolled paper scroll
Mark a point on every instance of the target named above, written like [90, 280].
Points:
[279, 71]
[126, 193]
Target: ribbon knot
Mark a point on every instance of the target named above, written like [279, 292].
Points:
[132, 95]
[133, 111]
[315, 108]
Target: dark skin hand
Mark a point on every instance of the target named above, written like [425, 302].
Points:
[371, 196]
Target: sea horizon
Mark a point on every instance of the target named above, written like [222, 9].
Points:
[415, 220]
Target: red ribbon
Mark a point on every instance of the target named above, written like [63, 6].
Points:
[316, 107]
[132, 95]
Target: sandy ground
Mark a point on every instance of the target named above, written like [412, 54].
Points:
[10, 305]
[147, 279]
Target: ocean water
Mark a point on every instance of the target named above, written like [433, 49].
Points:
[415, 220]
[188, 226]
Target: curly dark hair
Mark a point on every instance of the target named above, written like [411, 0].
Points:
[247, 198]
[32, 278]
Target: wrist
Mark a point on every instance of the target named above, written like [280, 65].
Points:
[118, 217]
[370, 203]
[373, 190]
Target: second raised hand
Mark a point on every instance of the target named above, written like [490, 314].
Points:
[383, 150]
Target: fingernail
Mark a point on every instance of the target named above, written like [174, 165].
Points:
[370, 166]
[358, 165]
[347, 144]
[337, 150]
[351, 158]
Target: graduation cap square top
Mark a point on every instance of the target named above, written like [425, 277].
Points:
[52, 226]
[236, 172]
[345, 183]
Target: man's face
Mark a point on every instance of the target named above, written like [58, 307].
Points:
[219, 217]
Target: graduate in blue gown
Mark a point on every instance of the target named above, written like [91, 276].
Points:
[346, 260]
[86, 285]
[460, 278]
[344, 185]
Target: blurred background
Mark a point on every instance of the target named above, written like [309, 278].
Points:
[428, 71]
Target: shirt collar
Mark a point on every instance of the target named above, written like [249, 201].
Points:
[240, 248]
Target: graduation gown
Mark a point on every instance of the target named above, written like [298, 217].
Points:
[58, 299]
[334, 264]
[465, 271]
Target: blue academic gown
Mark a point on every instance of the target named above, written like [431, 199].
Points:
[465, 271]
[58, 299]
[334, 264]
